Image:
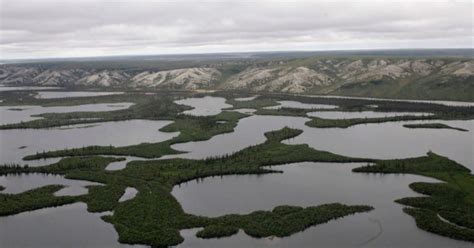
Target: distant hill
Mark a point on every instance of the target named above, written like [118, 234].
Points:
[415, 74]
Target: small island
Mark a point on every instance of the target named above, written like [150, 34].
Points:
[435, 126]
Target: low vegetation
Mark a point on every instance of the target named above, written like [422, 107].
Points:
[345, 123]
[434, 126]
[151, 107]
[448, 208]
[190, 128]
[33, 199]
[154, 217]
[434, 111]
[282, 221]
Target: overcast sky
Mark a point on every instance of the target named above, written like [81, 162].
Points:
[79, 28]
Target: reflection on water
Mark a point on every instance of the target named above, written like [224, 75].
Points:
[204, 106]
[307, 184]
[16, 114]
[62, 94]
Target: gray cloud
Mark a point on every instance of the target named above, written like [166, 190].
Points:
[45, 28]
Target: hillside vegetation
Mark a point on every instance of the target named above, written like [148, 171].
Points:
[393, 77]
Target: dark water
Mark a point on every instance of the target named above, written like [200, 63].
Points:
[306, 184]
[62, 94]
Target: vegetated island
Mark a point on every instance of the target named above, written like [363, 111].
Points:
[137, 220]
[448, 207]
[434, 126]
[154, 217]
[161, 106]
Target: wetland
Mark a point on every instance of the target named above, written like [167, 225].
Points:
[226, 169]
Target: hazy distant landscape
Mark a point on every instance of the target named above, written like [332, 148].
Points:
[434, 74]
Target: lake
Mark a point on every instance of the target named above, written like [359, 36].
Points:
[447, 103]
[307, 184]
[361, 114]
[63, 94]
[366, 141]
[302, 184]
[66, 226]
[299, 105]
[17, 143]
[15, 114]
[13, 88]
[204, 106]
[19, 183]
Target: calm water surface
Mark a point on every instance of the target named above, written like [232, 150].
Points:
[16, 114]
[204, 106]
[62, 94]
[384, 141]
[17, 143]
[120, 165]
[307, 184]
[448, 103]
[129, 194]
[15, 184]
[299, 105]
[66, 226]
[245, 110]
[361, 114]
[302, 184]
[242, 99]
[11, 88]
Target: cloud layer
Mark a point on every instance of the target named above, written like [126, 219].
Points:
[54, 28]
